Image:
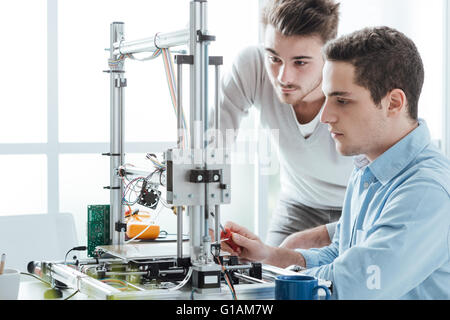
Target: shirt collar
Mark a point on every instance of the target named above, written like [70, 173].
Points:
[395, 159]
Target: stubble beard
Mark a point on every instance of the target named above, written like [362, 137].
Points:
[299, 95]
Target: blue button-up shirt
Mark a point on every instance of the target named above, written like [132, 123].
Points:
[393, 238]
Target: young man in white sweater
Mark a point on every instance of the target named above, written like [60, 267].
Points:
[282, 79]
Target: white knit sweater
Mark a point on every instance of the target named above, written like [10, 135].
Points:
[312, 172]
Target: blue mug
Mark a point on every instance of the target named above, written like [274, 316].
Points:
[298, 287]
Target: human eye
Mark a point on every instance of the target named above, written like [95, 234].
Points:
[300, 63]
[274, 59]
[342, 101]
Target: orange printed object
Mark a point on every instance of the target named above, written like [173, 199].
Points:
[133, 229]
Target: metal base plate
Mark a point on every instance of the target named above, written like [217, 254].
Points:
[145, 250]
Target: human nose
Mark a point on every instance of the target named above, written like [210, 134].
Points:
[328, 116]
[285, 75]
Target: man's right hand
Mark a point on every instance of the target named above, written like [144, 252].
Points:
[250, 246]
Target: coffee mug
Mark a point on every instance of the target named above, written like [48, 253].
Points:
[9, 284]
[298, 287]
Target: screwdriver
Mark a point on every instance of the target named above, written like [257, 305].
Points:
[225, 235]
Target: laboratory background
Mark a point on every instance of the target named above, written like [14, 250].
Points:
[55, 107]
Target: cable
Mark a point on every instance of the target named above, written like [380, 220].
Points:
[142, 232]
[182, 283]
[155, 54]
[36, 277]
[72, 295]
[43, 281]
[170, 75]
[124, 285]
[171, 81]
[228, 280]
[80, 248]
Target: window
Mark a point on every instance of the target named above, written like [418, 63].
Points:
[23, 124]
[24, 67]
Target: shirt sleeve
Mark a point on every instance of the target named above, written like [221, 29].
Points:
[399, 251]
[321, 256]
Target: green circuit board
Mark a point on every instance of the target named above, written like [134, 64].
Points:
[98, 232]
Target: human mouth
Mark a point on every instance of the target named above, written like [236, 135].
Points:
[335, 134]
[287, 90]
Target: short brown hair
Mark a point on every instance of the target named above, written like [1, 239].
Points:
[303, 17]
[384, 59]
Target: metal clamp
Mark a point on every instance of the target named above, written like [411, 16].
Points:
[120, 83]
[121, 227]
[204, 176]
[204, 37]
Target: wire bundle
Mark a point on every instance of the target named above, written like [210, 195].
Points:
[227, 279]
[170, 76]
[171, 82]
[123, 287]
[120, 60]
[155, 161]
[131, 186]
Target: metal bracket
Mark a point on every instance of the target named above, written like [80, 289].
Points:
[184, 59]
[111, 188]
[189, 59]
[111, 154]
[121, 227]
[120, 83]
[205, 176]
[204, 37]
[113, 71]
[215, 60]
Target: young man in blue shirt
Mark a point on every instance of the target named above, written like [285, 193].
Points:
[393, 238]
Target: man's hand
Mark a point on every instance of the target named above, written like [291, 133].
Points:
[253, 249]
[250, 246]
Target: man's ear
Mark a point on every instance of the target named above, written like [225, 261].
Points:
[396, 101]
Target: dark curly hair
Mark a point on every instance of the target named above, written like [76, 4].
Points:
[303, 17]
[384, 59]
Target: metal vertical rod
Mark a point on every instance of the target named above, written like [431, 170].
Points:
[217, 143]
[181, 142]
[198, 251]
[116, 136]
[217, 103]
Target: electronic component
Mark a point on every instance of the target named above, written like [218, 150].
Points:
[149, 197]
[98, 227]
